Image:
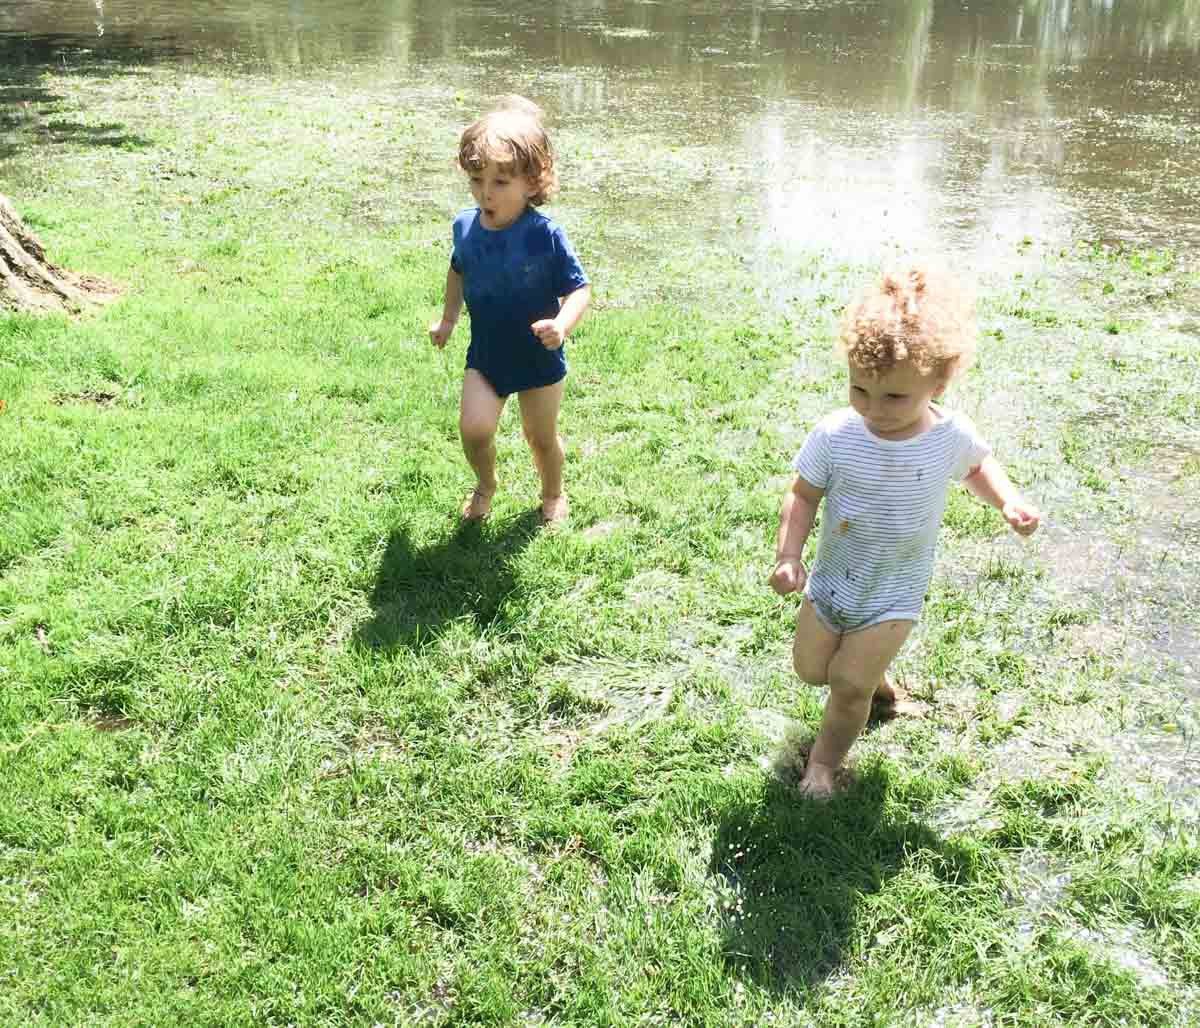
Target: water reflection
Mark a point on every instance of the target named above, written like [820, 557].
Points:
[889, 124]
[882, 45]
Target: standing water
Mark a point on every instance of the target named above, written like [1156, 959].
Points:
[857, 128]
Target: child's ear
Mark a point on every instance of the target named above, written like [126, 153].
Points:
[944, 379]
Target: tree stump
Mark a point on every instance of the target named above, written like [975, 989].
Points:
[29, 282]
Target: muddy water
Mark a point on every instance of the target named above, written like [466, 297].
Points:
[855, 128]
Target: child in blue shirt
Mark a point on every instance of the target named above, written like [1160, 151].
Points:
[525, 290]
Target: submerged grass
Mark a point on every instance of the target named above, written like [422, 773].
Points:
[280, 742]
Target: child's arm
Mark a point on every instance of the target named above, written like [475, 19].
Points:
[796, 516]
[990, 483]
[553, 331]
[440, 331]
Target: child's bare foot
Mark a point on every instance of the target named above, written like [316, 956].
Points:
[885, 694]
[478, 505]
[819, 781]
[554, 509]
[892, 701]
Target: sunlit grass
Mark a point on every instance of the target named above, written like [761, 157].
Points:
[281, 743]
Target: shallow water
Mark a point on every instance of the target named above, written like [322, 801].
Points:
[856, 128]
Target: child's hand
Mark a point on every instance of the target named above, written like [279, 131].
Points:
[440, 331]
[548, 333]
[788, 576]
[1022, 517]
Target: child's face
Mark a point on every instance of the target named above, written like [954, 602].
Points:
[895, 403]
[502, 194]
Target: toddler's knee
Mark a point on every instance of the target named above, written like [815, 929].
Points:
[807, 671]
[542, 442]
[475, 433]
[850, 686]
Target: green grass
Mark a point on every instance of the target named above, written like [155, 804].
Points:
[281, 743]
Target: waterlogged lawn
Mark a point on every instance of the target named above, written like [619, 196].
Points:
[281, 743]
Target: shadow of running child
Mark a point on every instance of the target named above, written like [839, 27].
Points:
[795, 871]
[419, 590]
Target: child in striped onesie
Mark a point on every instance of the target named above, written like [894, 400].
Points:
[883, 468]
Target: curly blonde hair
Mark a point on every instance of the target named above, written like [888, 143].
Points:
[913, 315]
[512, 137]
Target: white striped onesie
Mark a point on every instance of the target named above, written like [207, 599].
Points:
[884, 501]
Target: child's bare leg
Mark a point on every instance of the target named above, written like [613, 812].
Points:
[813, 646]
[539, 419]
[855, 672]
[478, 419]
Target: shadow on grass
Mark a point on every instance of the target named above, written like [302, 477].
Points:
[74, 132]
[800, 868]
[29, 109]
[417, 592]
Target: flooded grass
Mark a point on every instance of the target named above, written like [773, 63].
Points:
[283, 743]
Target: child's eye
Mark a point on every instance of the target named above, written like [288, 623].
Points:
[896, 396]
[858, 389]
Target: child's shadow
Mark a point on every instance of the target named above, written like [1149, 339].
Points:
[794, 870]
[417, 592]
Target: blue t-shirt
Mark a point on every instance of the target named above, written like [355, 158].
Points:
[513, 277]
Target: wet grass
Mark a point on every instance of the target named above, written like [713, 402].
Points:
[281, 743]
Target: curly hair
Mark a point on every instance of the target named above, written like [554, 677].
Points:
[912, 315]
[512, 137]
